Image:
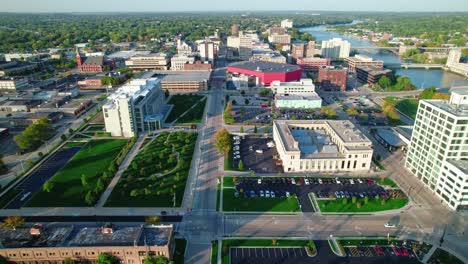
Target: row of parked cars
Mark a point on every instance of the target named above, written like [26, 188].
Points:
[346, 194]
[236, 148]
[306, 181]
[263, 193]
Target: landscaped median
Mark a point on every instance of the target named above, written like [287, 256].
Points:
[239, 201]
[264, 243]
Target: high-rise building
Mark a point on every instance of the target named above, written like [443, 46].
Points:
[287, 23]
[336, 48]
[453, 62]
[135, 107]
[207, 51]
[312, 64]
[438, 152]
[303, 49]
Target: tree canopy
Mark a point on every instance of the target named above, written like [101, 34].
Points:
[34, 135]
[223, 141]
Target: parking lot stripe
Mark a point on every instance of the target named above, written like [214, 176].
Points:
[281, 250]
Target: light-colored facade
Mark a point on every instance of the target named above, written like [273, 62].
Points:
[287, 23]
[304, 87]
[336, 48]
[269, 56]
[178, 61]
[438, 151]
[56, 244]
[135, 107]
[280, 39]
[362, 60]
[207, 51]
[298, 101]
[453, 63]
[156, 61]
[321, 146]
[184, 81]
[183, 48]
[12, 84]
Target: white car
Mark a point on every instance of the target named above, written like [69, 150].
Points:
[388, 224]
[293, 181]
[287, 194]
[272, 194]
[262, 194]
[236, 148]
[259, 181]
[320, 181]
[237, 157]
[351, 181]
[267, 194]
[259, 151]
[359, 180]
[236, 153]
[338, 181]
[236, 138]
[236, 143]
[306, 181]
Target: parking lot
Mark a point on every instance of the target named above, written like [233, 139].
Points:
[377, 251]
[257, 155]
[253, 115]
[34, 181]
[269, 255]
[324, 255]
[283, 187]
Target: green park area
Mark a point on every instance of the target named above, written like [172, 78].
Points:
[443, 257]
[182, 103]
[407, 106]
[82, 180]
[257, 204]
[157, 176]
[227, 244]
[344, 205]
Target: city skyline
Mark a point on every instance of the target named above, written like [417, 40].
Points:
[210, 5]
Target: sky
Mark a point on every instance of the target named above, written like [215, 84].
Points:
[229, 5]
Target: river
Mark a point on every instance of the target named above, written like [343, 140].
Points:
[420, 77]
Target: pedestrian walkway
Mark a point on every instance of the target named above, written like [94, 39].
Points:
[123, 166]
[429, 254]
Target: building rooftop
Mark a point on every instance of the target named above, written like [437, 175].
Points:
[362, 58]
[265, 66]
[302, 82]
[373, 70]
[317, 143]
[86, 236]
[309, 97]
[133, 90]
[391, 137]
[454, 109]
[462, 165]
[182, 76]
[94, 60]
[128, 53]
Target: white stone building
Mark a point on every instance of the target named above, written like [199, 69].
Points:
[321, 146]
[438, 152]
[135, 107]
[178, 61]
[287, 23]
[336, 48]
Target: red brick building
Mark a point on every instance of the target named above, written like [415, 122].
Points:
[332, 78]
[312, 64]
[197, 66]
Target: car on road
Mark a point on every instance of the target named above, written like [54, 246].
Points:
[26, 195]
[259, 181]
[306, 181]
[389, 225]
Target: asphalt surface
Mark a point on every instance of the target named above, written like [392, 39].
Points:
[299, 255]
[258, 162]
[34, 181]
[281, 185]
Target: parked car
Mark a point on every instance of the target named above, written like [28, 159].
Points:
[351, 181]
[405, 252]
[293, 181]
[359, 180]
[262, 194]
[397, 251]
[320, 181]
[306, 181]
[389, 225]
[287, 194]
[267, 194]
[379, 250]
[338, 181]
[252, 193]
[259, 151]
[259, 181]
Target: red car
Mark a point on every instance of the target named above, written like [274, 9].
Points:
[369, 181]
[397, 251]
[379, 250]
[405, 252]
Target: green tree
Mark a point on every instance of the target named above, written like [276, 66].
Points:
[428, 93]
[223, 141]
[153, 220]
[264, 92]
[105, 258]
[255, 130]
[385, 82]
[366, 200]
[89, 198]
[84, 180]
[345, 201]
[99, 185]
[13, 222]
[156, 260]
[352, 111]
[3, 167]
[48, 186]
[63, 137]
[353, 200]
[241, 130]
[240, 165]
[34, 135]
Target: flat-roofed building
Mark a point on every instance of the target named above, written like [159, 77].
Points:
[58, 243]
[294, 101]
[332, 78]
[207, 51]
[279, 38]
[16, 67]
[336, 48]
[321, 146]
[287, 23]
[12, 84]
[184, 81]
[371, 75]
[135, 107]
[178, 61]
[268, 56]
[302, 87]
[154, 61]
[18, 105]
[362, 60]
[437, 154]
[312, 64]
[198, 66]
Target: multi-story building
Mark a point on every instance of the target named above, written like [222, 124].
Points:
[12, 84]
[312, 64]
[242, 44]
[279, 38]
[332, 78]
[276, 30]
[295, 101]
[303, 49]
[321, 146]
[183, 48]
[178, 61]
[262, 73]
[184, 81]
[438, 152]
[207, 51]
[336, 48]
[135, 107]
[198, 66]
[154, 61]
[269, 56]
[302, 87]
[371, 75]
[16, 67]
[287, 23]
[453, 62]
[59, 243]
[235, 29]
[362, 60]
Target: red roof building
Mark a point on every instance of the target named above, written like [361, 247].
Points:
[266, 72]
[332, 78]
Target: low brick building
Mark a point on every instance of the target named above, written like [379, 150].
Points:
[198, 66]
[332, 78]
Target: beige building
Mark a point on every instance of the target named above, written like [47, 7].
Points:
[321, 146]
[280, 39]
[362, 60]
[154, 61]
[54, 244]
[178, 61]
[12, 84]
[184, 81]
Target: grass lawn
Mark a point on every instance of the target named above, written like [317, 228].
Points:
[258, 204]
[214, 252]
[142, 184]
[226, 244]
[407, 106]
[179, 252]
[218, 196]
[443, 257]
[369, 242]
[182, 102]
[337, 206]
[228, 182]
[195, 115]
[91, 161]
[388, 182]
[74, 144]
